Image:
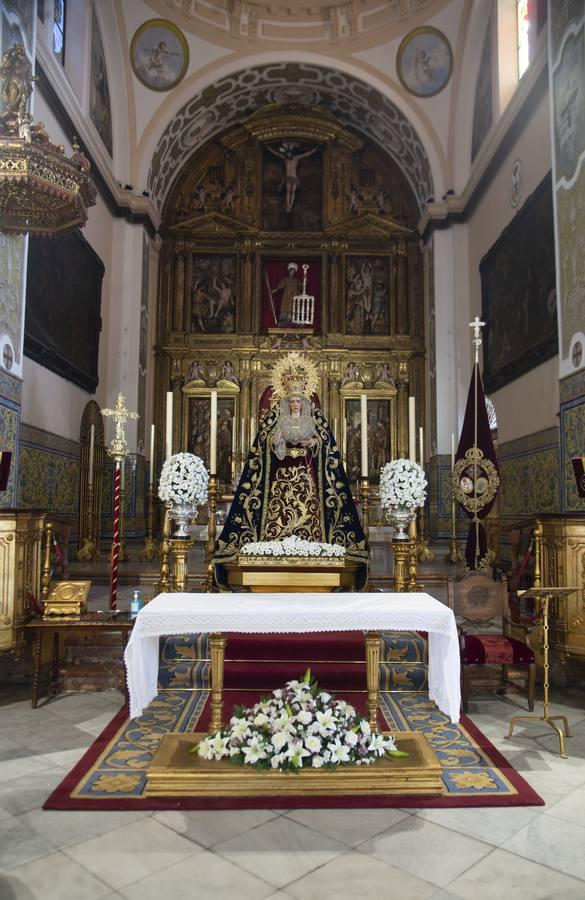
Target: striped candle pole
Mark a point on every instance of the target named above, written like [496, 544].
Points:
[115, 540]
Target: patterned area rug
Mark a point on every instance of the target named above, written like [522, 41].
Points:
[112, 774]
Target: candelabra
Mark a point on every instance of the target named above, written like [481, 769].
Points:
[454, 554]
[163, 585]
[150, 549]
[211, 531]
[46, 571]
[89, 550]
[365, 496]
[423, 551]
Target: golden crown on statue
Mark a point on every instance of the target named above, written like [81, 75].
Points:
[294, 374]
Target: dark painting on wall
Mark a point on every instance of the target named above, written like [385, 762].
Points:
[282, 281]
[100, 111]
[63, 299]
[519, 295]
[292, 186]
[367, 295]
[213, 294]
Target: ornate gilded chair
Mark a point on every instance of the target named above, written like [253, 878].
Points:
[480, 606]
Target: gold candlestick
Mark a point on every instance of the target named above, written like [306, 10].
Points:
[46, 572]
[150, 549]
[365, 495]
[180, 549]
[89, 550]
[401, 553]
[211, 532]
[423, 551]
[454, 554]
[411, 584]
[163, 585]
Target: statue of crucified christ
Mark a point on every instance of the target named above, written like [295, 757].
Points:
[291, 164]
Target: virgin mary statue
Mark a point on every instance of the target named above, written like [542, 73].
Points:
[293, 482]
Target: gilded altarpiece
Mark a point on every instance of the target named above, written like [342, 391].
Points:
[289, 187]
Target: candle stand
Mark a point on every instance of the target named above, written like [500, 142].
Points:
[180, 550]
[423, 551]
[365, 497]
[454, 554]
[163, 585]
[211, 532]
[150, 549]
[89, 551]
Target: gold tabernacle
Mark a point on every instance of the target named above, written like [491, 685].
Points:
[175, 771]
[67, 598]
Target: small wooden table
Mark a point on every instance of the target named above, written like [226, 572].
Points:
[87, 623]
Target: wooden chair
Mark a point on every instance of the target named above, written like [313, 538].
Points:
[481, 608]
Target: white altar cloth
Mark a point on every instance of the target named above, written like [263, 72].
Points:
[294, 614]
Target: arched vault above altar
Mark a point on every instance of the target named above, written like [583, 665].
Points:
[237, 96]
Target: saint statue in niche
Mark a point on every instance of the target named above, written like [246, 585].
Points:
[293, 482]
[290, 286]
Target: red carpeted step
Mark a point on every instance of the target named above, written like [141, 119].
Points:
[246, 675]
[320, 646]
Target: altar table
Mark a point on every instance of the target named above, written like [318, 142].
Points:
[197, 613]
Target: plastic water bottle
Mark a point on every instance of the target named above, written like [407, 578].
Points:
[135, 605]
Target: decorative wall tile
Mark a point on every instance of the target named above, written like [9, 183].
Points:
[529, 472]
[573, 444]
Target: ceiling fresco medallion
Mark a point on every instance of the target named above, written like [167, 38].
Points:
[159, 54]
[424, 61]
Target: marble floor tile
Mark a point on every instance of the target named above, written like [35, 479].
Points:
[280, 851]
[77, 825]
[426, 850]
[205, 875]
[353, 875]
[30, 791]
[502, 874]
[20, 844]
[132, 852]
[210, 828]
[53, 878]
[541, 759]
[570, 808]
[350, 826]
[554, 843]
[11, 769]
[550, 789]
[493, 825]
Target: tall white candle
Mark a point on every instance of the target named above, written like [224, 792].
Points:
[234, 434]
[421, 447]
[243, 436]
[169, 426]
[213, 435]
[452, 450]
[252, 429]
[91, 443]
[151, 460]
[364, 429]
[411, 430]
[344, 437]
[335, 430]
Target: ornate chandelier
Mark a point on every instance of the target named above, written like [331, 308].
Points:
[41, 190]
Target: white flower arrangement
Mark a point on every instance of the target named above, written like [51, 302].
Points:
[183, 480]
[298, 726]
[402, 483]
[292, 546]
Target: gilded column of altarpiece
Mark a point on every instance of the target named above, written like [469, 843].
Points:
[284, 190]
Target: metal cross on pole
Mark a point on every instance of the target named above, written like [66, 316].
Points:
[477, 325]
[118, 451]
